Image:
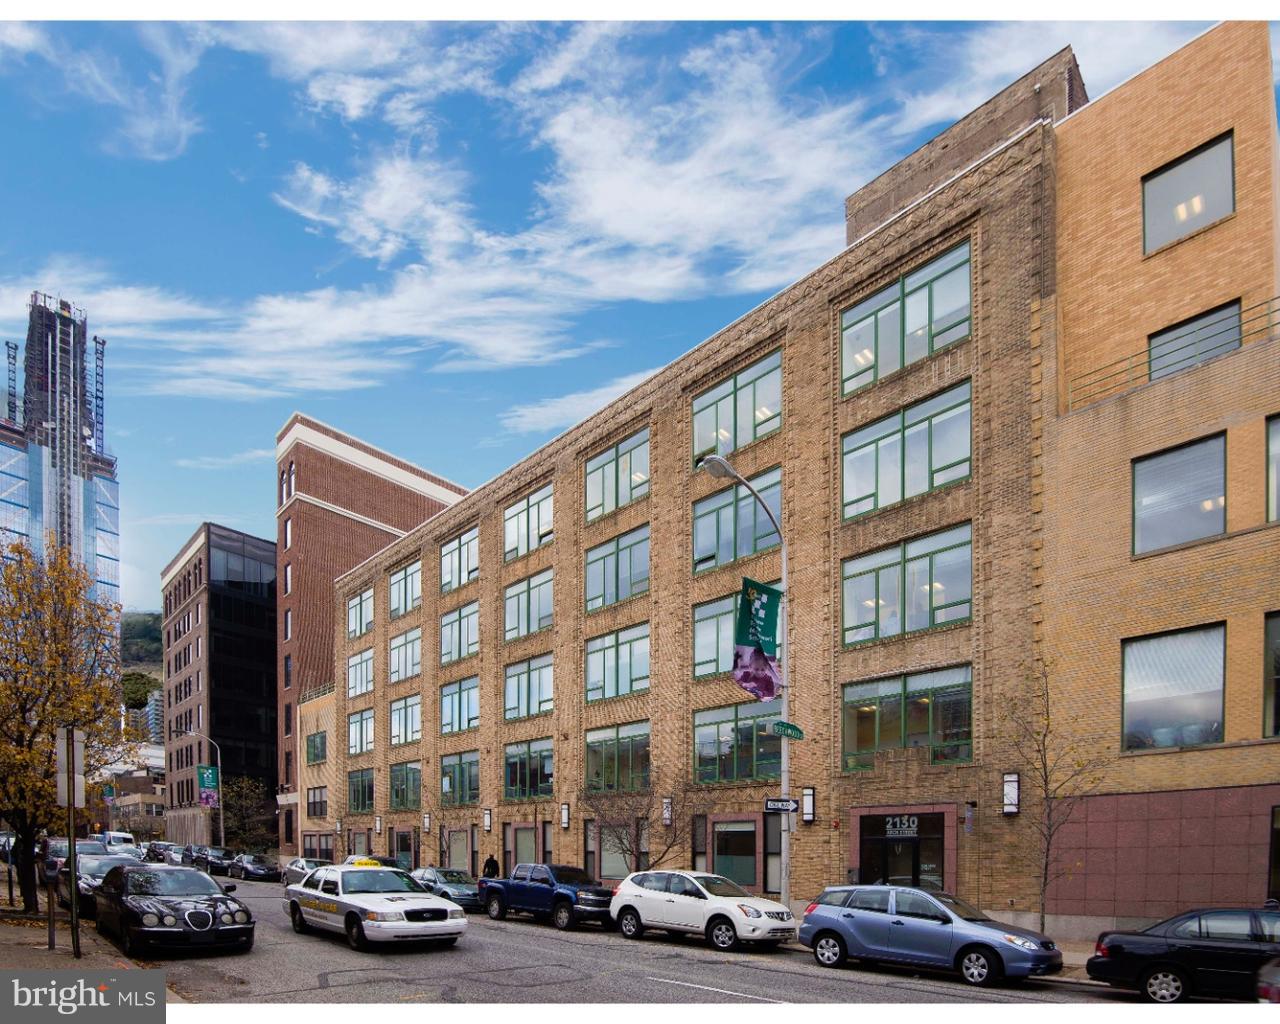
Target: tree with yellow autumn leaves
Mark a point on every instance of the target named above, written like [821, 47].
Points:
[59, 666]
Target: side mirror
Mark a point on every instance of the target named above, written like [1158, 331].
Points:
[228, 888]
[942, 920]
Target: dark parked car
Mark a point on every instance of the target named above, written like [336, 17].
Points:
[1200, 952]
[90, 871]
[254, 867]
[1269, 982]
[152, 905]
[216, 860]
[53, 851]
[452, 884]
[156, 852]
[298, 868]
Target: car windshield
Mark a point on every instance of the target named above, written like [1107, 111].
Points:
[959, 907]
[456, 877]
[86, 848]
[378, 881]
[567, 875]
[170, 883]
[216, 851]
[718, 885]
[256, 858]
[316, 863]
[96, 867]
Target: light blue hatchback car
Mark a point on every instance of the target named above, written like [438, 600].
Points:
[923, 929]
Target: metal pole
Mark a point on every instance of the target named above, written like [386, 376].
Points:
[222, 823]
[788, 820]
[74, 886]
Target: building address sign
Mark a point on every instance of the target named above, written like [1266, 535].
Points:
[901, 826]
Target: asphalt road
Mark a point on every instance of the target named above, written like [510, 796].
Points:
[521, 961]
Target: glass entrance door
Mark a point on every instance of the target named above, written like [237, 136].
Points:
[458, 850]
[901, 849]
[526, 845]
[404, 850]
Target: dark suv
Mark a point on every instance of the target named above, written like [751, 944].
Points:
[214, 860]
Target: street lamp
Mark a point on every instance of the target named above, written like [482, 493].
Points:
[217, 753]
[719, 467]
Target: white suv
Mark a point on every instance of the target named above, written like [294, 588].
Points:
[694, 901]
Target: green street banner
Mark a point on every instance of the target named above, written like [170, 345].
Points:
[755, 651]
[207, 781]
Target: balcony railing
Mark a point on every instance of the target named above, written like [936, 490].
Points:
[314, 692]
[1197, 343]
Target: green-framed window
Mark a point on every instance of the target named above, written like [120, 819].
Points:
[1180, 495]
[460, 705]
[529, 688]
[405, 655]
[734, 743]
[618, 758]
[1273, 469]
[739, 410]
[460, 632]
[460, 778]
[360, 614]
[1188, 193]
[730, 524]
[1173, 692]
[404, 588]
[618, 663]
[618, 476]
[360, 791]
[460, 560]
[317, 747]
[1270, 674]
[618, 569]
[406, 719]
[713, 628]
[529, 606]
[916, 585]
[529, 770]
[924, 709]
[913, 451]
[527, 525]
[918, 314]
[360, 731]
[406, 786]
[360, 673]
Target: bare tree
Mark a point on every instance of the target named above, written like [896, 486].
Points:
[1059, 768]
[631, 822]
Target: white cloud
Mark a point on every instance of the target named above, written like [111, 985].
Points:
[22, 37]
[986, 59]
[553, 414]
[227, 461]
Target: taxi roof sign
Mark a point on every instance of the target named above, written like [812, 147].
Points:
[365, 862]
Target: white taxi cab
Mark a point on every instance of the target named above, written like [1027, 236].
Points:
[369, 903]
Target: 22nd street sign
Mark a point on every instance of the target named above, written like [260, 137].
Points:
[781, 805]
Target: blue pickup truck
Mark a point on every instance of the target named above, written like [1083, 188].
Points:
[566, 894]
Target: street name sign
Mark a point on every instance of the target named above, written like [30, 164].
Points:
[787, 729]
[774, 804]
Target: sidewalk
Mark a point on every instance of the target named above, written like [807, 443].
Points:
[24, 945]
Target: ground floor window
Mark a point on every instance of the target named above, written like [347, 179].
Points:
[317, 845]
[457, 856]
[773, 853]
[1273, 878]
[546, 842]
[734, 849]
[526, 845]
[589, 846]
[402, 849]
[475, 851]
[359, 842]
[1271, 674]
[699, 835]
[901, 849]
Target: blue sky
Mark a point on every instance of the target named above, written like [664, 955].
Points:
[452, 240]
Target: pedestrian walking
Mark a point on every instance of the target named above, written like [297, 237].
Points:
[490, 867]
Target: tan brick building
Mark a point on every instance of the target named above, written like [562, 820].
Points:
[339, 500]
[907, 407]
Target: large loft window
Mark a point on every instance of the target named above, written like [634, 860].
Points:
[730, 524]
[406, 719]
[919, 313]
[926, 709]
[739, 410]
[460, 778]
[460, 560]
[1194, 341]
[915, 450]
[734, 744]
[618, 663]
[529, 770]
[1273, 469]
[405, 656]
[527, 524]
[1189, 193]
[529, 606]
[922, 583]
[360, 614]
[529, 688]
[360, 673]
[618, 476]
[1180, 495]
[1271, 675]
[405, 588]
[618, 758]
[460, 632]
[1173, 695]
[460, 705]
[617, 569]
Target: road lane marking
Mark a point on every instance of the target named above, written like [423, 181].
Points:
[722, 991]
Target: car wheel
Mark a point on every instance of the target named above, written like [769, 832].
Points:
[563, 917]
[299, 922]
[1164, 985]
[248, 945]
[722, 934]
[980, 966]
[97, 926]
[829, 950]
[630, 925]
[493, 905]
[128, 944]
[355, 934]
